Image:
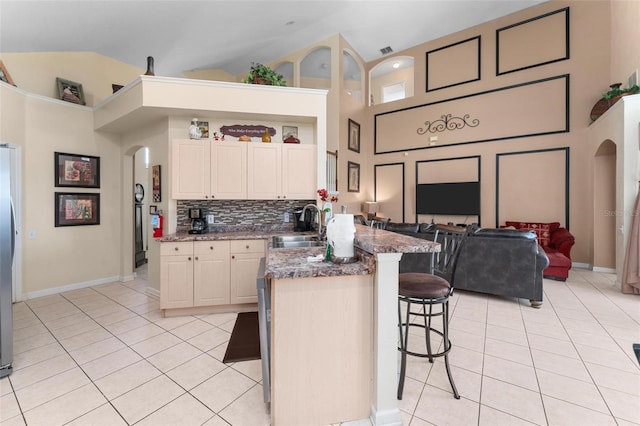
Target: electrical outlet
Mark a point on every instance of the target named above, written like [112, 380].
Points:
[210, 219]
[286, 217]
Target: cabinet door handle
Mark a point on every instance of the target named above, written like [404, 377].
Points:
[189, 259]
[233, 257]
[247, 247]
[284, 196]
[211, 247]
[176, 249]
[196, 257]
[213, 196]
[206, 196]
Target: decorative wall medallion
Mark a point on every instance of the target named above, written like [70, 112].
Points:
[447, 122]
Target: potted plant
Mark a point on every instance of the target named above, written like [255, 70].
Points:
[616, 91]
[262, 74]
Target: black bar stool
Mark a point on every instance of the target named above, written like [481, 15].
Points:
[429, 290]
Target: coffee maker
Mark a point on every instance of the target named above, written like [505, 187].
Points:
[303, 224]
[198, 222]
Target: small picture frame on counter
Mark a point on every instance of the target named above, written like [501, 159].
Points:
[153, 209]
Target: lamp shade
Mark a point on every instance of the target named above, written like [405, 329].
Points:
[370, 206]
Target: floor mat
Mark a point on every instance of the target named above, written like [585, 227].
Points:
[244, 344]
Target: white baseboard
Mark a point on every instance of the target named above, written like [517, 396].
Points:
[580, 265]
[68, 287]
[153, 292]
[127, 278]
[604, 270]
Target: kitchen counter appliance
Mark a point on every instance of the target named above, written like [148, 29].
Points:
[302, 224]
[198, 222]
[264, 326]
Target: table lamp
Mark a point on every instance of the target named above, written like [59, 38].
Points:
[370, 208]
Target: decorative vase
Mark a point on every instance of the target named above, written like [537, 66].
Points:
[149, 66]
[266, 137]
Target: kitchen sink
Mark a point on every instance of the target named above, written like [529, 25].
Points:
[294, 241]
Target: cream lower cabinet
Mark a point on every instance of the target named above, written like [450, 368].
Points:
[245, 261]
[282, 171]
[176, 275]
[204, 169]
[209, 273]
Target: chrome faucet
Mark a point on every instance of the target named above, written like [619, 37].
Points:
[304, 210]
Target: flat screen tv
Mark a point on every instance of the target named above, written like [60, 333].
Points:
[456, 198]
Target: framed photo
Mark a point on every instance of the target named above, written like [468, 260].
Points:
[153, 209]
[354, 136]
[4, 75]
[289, 131]
[353, 177]
[70, 91]
[156, 189]
[76, 170]
[76, 208]
[204, 129]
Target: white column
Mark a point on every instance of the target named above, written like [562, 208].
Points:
[384, 410]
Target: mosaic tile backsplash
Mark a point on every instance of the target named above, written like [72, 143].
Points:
[241, 212]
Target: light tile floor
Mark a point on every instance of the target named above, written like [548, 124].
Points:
[105, 356]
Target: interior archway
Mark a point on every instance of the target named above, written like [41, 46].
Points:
[315, 69]
[392, 79]
[604, 205]
[352, 76]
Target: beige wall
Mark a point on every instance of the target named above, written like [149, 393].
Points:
[61, 256]
[588, 67]
[36, 72]
[625, 33]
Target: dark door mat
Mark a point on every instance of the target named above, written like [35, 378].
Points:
[244, 344]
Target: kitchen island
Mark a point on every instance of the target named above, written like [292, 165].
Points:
[334, 332]
[334, 327]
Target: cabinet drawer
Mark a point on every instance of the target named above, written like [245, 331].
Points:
[247, 246]
[178, 248]
[218, 248]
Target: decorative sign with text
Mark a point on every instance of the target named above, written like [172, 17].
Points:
[238, 130]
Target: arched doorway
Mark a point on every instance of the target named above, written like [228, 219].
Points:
[604, 205]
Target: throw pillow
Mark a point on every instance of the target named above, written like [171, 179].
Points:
[542, 231]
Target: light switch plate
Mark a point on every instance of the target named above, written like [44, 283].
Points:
[210, 219]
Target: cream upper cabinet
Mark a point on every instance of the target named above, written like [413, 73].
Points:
[190, 169]
[229, 170]
[299, 171]
[264, 171]
[282, 171]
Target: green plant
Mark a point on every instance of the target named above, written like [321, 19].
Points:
[265, 73]
[616, 90]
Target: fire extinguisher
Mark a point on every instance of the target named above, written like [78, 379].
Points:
[156, 223]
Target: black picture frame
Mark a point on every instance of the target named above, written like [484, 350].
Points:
[156, 184]
[354, 136]
[77, 208]
[353, 177]
[70, 91]
[76, 170]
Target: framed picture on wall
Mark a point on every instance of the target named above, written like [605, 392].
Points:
[353, 177]
[70, 91]
[156, 189]
[354, 136]
[76, 170]
[76, 208]
[4, 74]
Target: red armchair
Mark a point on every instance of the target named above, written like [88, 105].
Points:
[556, 242]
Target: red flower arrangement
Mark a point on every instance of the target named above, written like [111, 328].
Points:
[324, 196]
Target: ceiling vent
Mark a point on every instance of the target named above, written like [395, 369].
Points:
[386, 50]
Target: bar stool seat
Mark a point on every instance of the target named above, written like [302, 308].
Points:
[423, 286]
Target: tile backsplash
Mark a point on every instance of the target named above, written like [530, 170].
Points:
[241, 212]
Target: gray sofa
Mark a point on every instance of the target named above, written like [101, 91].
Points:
[502, 262]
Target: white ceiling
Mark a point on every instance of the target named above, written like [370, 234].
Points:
[190, 35]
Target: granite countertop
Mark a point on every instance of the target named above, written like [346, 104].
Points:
[374, 240]
[292, 262]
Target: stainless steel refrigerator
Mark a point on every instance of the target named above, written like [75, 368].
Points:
[7, 244]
